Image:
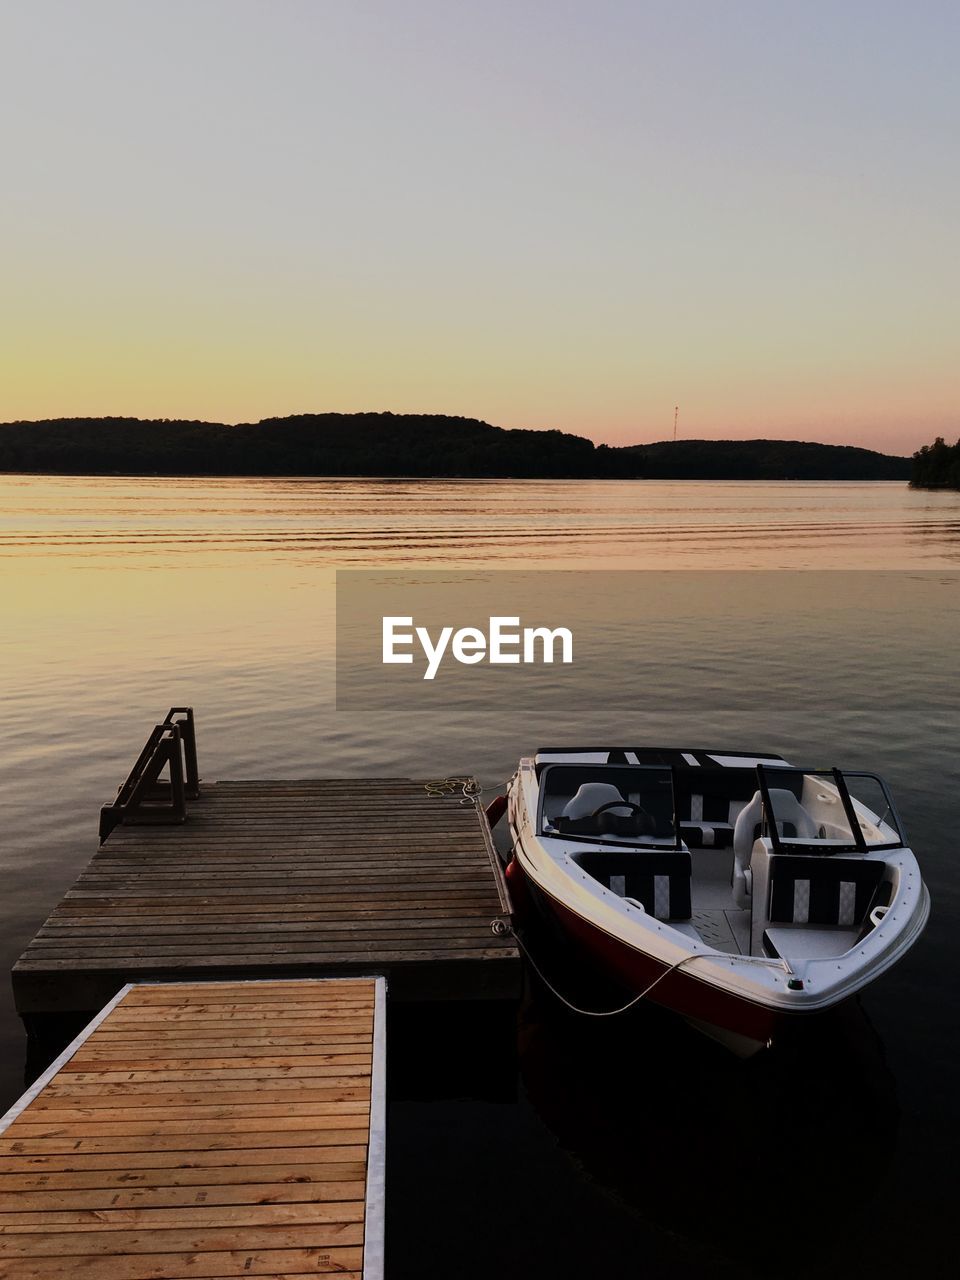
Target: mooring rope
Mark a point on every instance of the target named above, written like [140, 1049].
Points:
[597, 1013]
[634, 1000]
[471, 792]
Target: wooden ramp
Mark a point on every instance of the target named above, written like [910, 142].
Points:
[204, 1130]
[286, 879]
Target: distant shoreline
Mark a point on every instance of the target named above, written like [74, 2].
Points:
[412, 446]
[405, 479]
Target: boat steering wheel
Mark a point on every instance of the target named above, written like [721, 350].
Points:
[636, 810]
[644, 823]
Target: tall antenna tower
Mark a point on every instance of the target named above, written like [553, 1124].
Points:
[676, 411]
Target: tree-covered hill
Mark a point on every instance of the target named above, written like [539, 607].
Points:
[334, 444]
[387, 444]
[766, 460]
[937, 466]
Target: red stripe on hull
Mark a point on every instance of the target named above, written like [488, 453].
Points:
[679, 991]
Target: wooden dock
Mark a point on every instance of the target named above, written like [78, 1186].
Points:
[204, 1130]
[285, 879]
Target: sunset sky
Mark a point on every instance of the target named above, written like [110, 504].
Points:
[539, 213]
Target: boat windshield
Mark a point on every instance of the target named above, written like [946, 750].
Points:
[828, 811]
[621, 804]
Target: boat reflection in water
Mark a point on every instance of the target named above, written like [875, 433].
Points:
[784, 1151]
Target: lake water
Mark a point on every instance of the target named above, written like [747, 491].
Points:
[632, 1146]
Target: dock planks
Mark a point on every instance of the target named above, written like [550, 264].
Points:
[270, 879]
[204, 1130]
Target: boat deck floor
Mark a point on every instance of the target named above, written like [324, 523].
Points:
[715, 929]
[719, 923]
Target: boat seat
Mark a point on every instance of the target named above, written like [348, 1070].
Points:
[745, 832]
[659, 881]
[709, 821]
[590, 797]
[616, 815]
[707, 835]
[793, 822]
[822, 891]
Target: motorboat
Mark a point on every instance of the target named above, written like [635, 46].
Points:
[738, 890]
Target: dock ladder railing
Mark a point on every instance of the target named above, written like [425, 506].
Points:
[143, 798]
